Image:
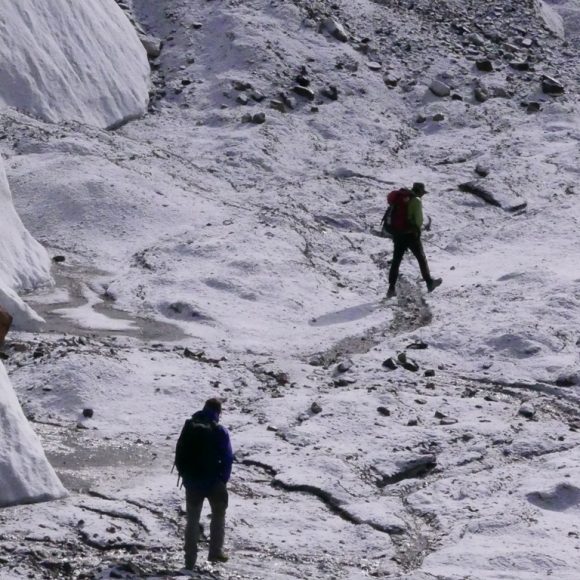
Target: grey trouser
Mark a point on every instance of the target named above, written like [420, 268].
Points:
[217, 496]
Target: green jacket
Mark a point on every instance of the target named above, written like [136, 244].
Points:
[415, 214]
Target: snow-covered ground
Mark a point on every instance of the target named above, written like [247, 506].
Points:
[209, 253]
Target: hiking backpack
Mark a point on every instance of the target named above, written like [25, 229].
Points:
[197, 454]
[395, 220]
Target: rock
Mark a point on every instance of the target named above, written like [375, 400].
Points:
[384, 411]
[412, 422]
[402, 357]
[88, 413]
[551, 86]
[58, 259]
[302, 81]
[259, 118]
[335, 29]
[242, 85]
[242, 99]
[304, 92]
[374, 66]
[476, 39]
[527, 410]
[405, 466]
[278, 105]
[5, 324]
[568, 379]
[391, 81]
[344, 366]
[533, 107]
[390, 363]
[484, 65]
[257, 96]
[315, 408]
[439, 415]
[196, 25]
[480, 94]
[447, 421]
[420, 118]
[247, 118]
[439, 88]
[482, 170]
[520, 65]
[418, 345]
[429, 373]
[438, 117]
[152, 45]
[344, 382]
[411, 365]
[330, 92]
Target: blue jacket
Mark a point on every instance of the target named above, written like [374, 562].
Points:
[225, 454]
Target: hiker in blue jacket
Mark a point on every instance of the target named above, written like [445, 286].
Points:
[204, 460]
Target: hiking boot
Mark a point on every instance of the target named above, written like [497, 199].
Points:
[433, 283]
[219, 557]
[391, 292]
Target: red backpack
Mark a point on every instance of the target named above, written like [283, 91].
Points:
[395, 220]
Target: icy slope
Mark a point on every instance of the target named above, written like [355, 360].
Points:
[25, 263]
[72, 60]
[25, 474]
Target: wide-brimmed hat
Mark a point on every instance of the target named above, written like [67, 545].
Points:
[418, 188]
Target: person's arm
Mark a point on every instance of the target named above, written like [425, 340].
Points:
[226, 454]
[415, 214]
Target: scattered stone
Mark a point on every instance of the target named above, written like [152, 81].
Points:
[412, 422]
[344, 382]
[303, 81]
[152, 45]
[335, 29]
[374, 66]
[344, 366]
[551, 86]
[480, 94]
[418, 345]
[402, 357]
[243, 99]
[476, 39]
[430, 386]
[272, 428]
[421, 401]
[568, 379]
[439, 88]
[257, 96]
[330, 92]
[58, 259]
[520, 65]
[411, 365]
[316, 408]
[384, 411]
[242, 85]
[390, 364]
[482, 170]
[196, 25]
[527, 410]
[88, 413]
[278, 105]
[438, 117]
[247, 118]
[391, 81]
[420, 118]
[259, 118]
[429, 373]
[447, 421]
[484, 65]
[533, 107]
[305, 92]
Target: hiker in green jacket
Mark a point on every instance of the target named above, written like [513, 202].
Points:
[409, 238]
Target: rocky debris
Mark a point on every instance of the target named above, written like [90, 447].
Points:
[527, 410]
[412, 422]
[88, 413]
[439, 88]
[533, 107]
[429, 373]
[315, 408]
[58, 259]
[568, 379]
[407, 363]
[418, 345]
[383, 411]
[330, 92]
[335, 29]
[482, 170]
[551, 86]
[484, 65]
[277, 105]
[152, 45]
[344, 366]
[406, 467]
[390, 364]
[257, 118]
[242, 85]
[481, 191]
[305, 92]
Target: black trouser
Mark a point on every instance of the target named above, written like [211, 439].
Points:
[404, 242]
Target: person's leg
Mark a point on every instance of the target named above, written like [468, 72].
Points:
[416, 247]
[194, 501]
[399, 249]
[218, 500]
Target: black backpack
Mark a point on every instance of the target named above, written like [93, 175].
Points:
[197, 450]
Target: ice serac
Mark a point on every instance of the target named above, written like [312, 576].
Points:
[72, 60]
[26, 476]
[25, 263]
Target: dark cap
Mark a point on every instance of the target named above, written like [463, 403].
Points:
[418, 188]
